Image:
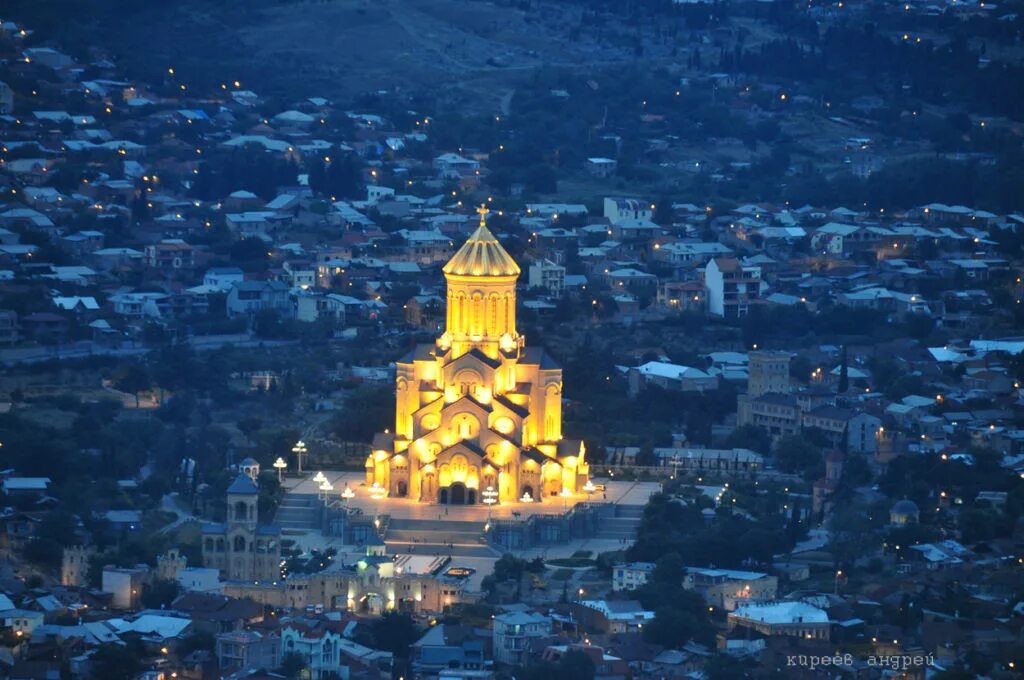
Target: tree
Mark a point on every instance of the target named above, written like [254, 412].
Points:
[160, 594]
[574, 665]
[249, 425]
[116, 662]
[748, 437]
[796, 453]
[679, 620]
[724, 667]
[395, 632]
[292, 665]
[668, 571]
[133, 378]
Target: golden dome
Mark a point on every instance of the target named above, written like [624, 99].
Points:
[482, 255]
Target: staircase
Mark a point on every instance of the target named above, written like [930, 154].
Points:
[438, 538]
[434, 532]
[297, 512]
[623, 525]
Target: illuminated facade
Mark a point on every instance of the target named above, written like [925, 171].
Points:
[477, 410]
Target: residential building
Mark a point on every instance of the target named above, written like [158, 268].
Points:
[170, 256]
[512, 632]
[601, 167]
[250, 297]
[223, 278]
[630, 576]
[448, 646]
[670, 377]
[319, 643]
[248, 649]
[547, 275]
[613, 616]
[731, 287]
[617, 210]
[794, 619]
[768, 373]
[125, 585]
[729, 588]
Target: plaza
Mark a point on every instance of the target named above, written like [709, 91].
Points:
[606, 491]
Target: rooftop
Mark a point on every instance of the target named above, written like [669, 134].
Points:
[482, 255]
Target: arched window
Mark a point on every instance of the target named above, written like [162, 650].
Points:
[430, 422]
[465, 425]
[504, 425]
[208, 545]
[241, 511]
[220, 545]
[239, 543]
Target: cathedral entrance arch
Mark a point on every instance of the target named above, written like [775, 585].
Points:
[458, 494]
[403, 489]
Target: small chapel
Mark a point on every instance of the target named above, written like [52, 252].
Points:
[478, 414]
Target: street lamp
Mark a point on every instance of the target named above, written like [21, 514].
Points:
[325, 488]
[280, 465]
[589, 489]
[377, 492]
[299, 450]
[490, 496]
[566, 495]
[527, 498]
[319, 478]
[348, 494]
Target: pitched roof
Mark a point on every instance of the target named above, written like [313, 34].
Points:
[482, 255]
[243, 484]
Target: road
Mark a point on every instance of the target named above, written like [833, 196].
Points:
[86, 349]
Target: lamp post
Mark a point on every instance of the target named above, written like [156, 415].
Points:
[280, 464]
[589, 489]
[319, 477]
[377, 492]
[299, 450]
[325, 488]
[566, 495]
[348, 494]
[527, 498]
[490, 497]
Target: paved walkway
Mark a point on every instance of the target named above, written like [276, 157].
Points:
[618, 492]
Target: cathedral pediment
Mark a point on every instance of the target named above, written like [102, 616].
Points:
[475, 360]
[463, 448]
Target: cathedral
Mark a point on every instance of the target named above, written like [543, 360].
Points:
[478, 414]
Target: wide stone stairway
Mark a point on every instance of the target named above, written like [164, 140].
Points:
[297, 512]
